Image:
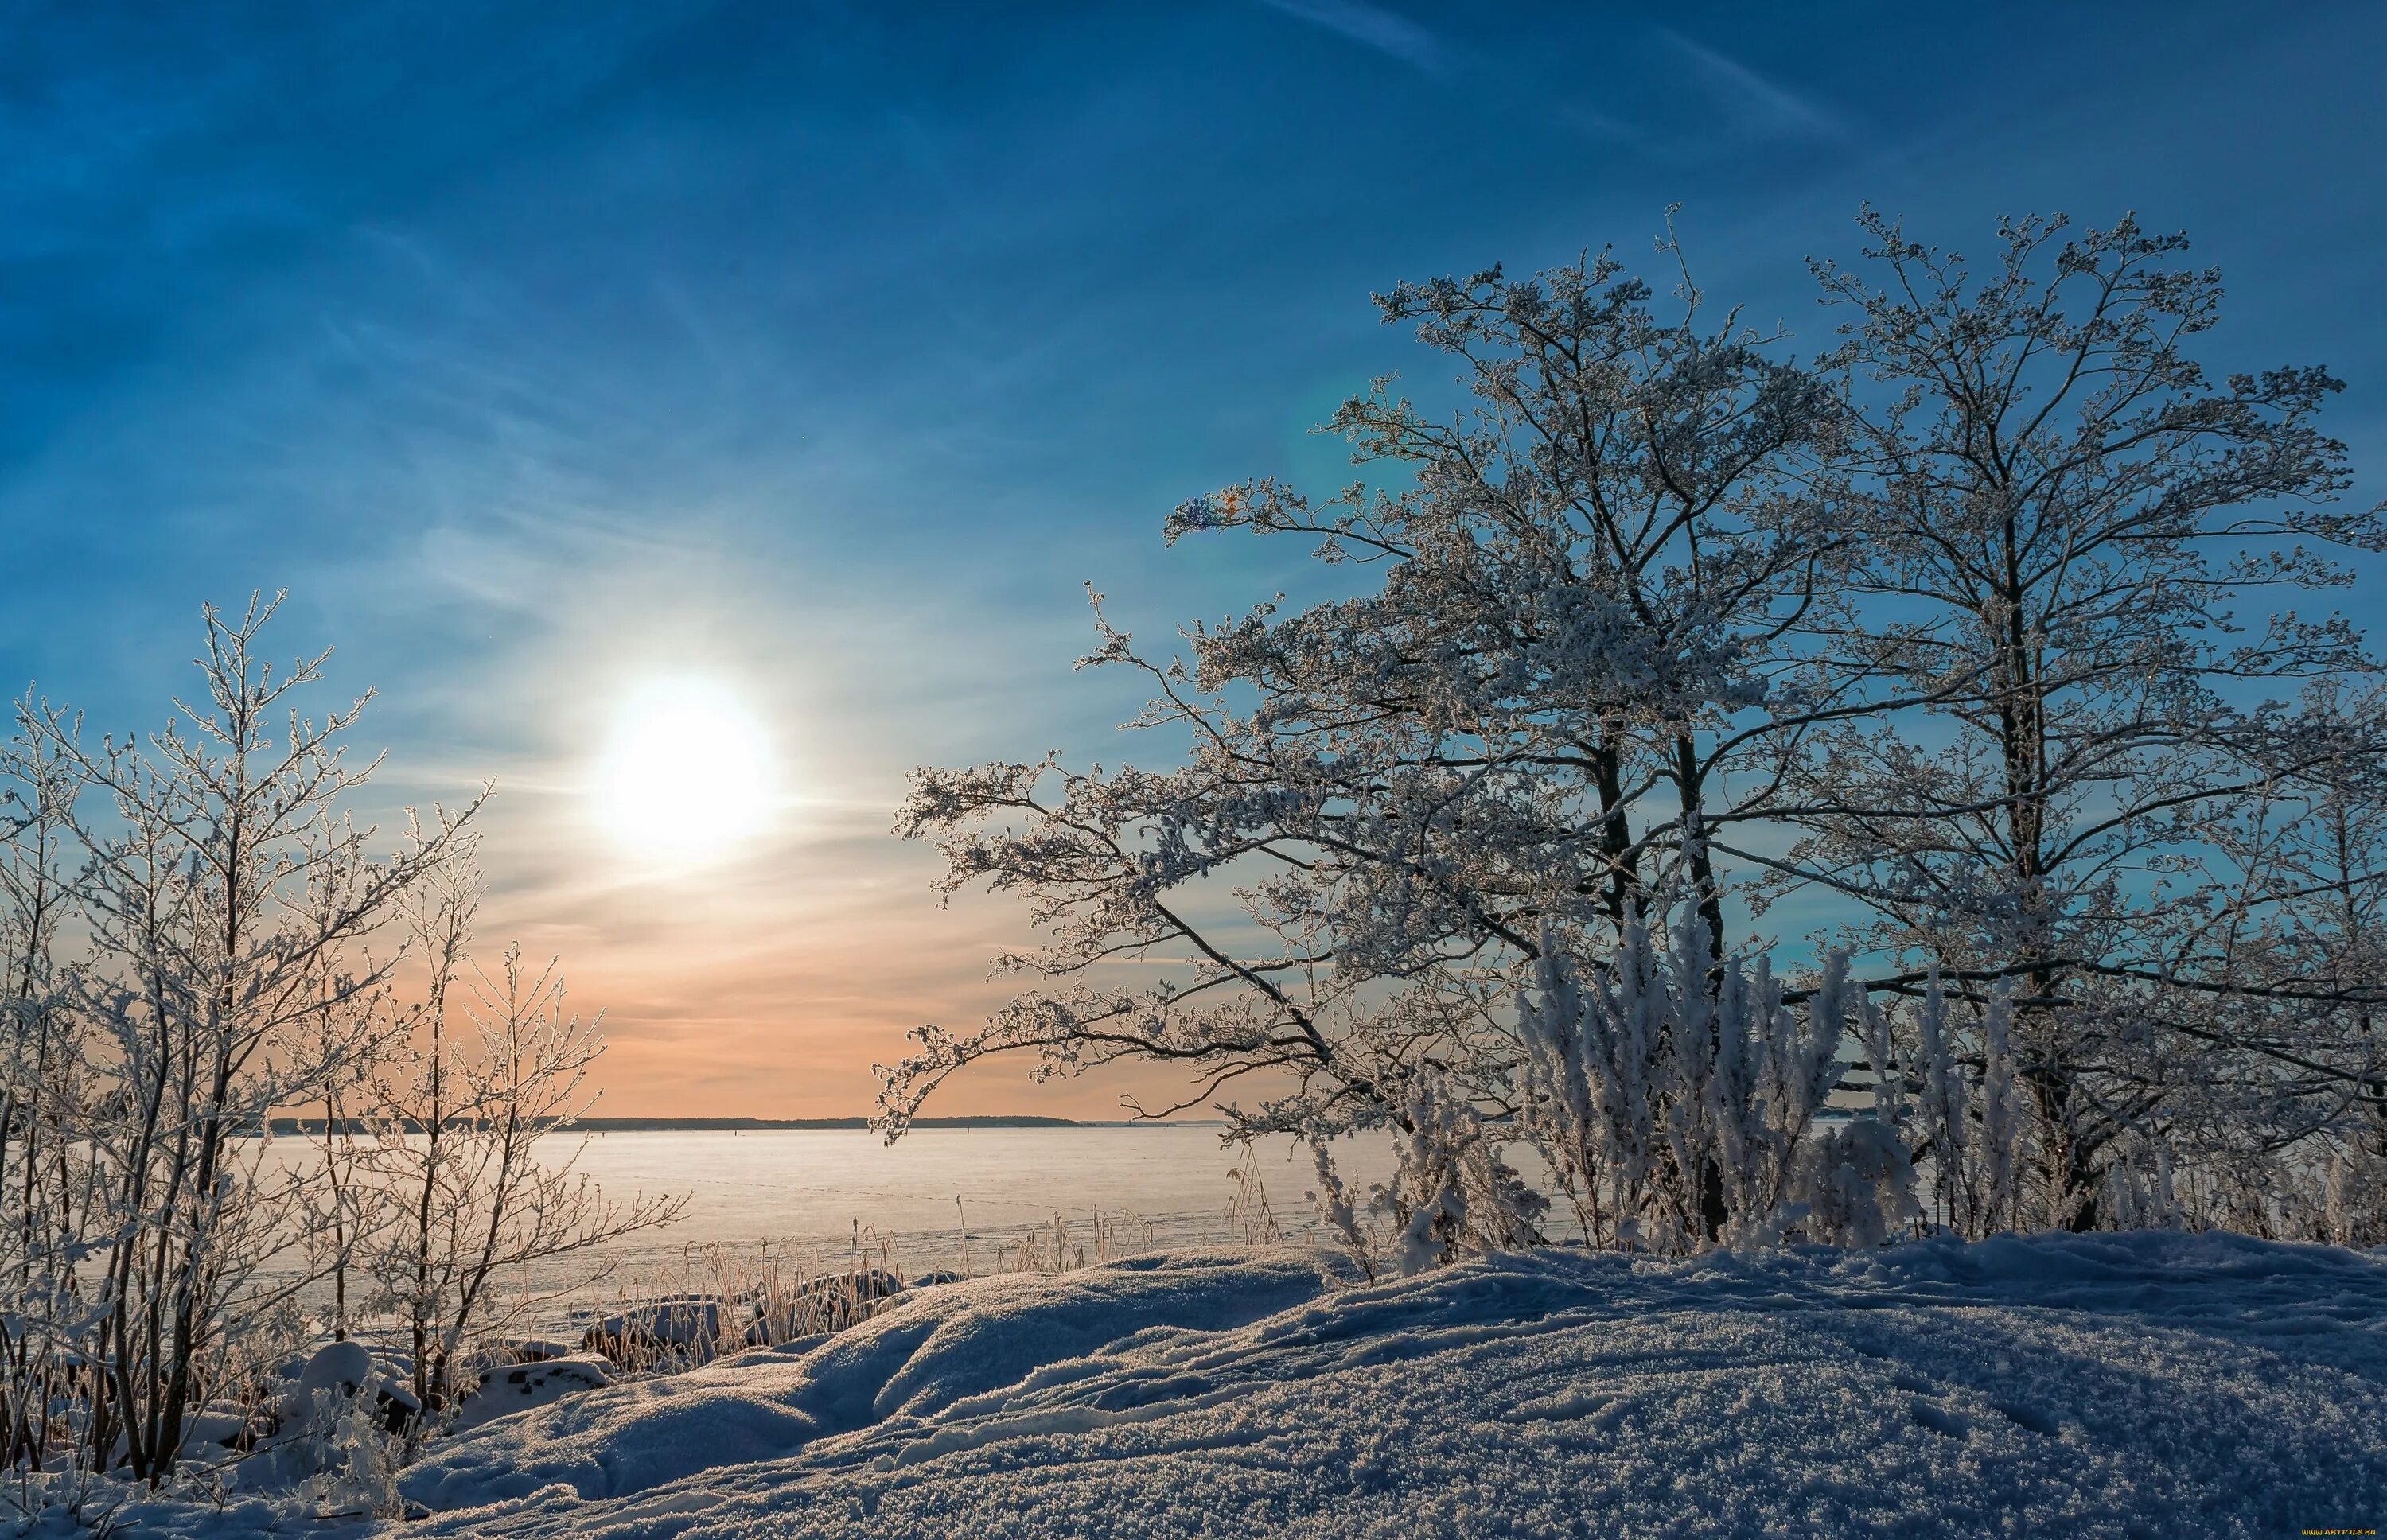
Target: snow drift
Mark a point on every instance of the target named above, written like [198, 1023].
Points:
[2078, 1384]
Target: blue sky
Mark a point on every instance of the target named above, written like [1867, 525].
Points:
[828, 351]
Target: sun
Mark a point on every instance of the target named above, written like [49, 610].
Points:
[686, 775]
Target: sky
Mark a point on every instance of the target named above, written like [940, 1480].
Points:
[826, 353]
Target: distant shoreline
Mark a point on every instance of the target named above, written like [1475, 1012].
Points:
[293, 1126]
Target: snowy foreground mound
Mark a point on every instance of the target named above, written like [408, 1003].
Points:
[2149, 1383]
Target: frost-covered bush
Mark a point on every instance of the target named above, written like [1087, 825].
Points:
[481, 1068]
[1339, 1212]
[1452, 1193]
[338, 1442]
[1657, 1104]
[2356, 1204]
[219, 906]
[1855, 1186]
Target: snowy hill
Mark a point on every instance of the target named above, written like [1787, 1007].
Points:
[2058, 1384]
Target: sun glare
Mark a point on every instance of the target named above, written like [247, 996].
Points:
[686, 775]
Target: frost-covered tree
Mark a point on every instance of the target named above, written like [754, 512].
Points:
[194, 937]
[473, 1077]
[50, 1210]
[2063, 514]
[226, 899]
[1663, 631]
[2287, 975]
[1592, 580]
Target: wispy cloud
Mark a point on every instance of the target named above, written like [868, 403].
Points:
[1758, 105]
[1372, 26]
[1592, 123]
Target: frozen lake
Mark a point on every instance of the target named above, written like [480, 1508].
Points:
[811, 1191]
[810, 1195]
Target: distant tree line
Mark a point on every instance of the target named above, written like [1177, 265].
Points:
[1977, 646]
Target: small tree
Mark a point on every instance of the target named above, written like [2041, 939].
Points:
[187, 928]
[471, 1201]
[49, 1195]
[226, 899]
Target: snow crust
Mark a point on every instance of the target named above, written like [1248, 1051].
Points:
[2059, 1385]
[2096, 1384]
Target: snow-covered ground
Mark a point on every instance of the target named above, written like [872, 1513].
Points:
[2136, 1385]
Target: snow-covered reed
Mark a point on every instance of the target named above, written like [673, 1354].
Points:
[717, 1298]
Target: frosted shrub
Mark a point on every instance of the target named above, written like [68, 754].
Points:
[1943, 1096]
[1854, 1184]
[193, 937]
[1970, 1131]
[1773, 1073]
[343, 1455]
[1333, 1201]
[1452, 1194]
[1589, 1100]
[1655, 1106]
[1669, 1122]
[2137, 1190]
[226, 907]
[2355, 1208]
[480, 1071]
[2002, 1135]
